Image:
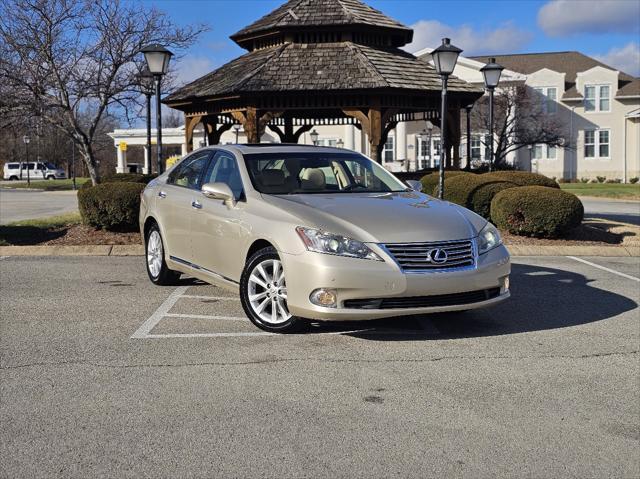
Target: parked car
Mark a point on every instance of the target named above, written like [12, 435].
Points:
[317, 233]
[38, 170]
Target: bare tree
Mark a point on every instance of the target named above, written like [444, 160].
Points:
[74, 62]
[520, 120]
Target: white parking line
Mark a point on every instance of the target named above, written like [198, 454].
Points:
[3, 257]
[609, 270]
[144, 330]
[205, 316]
[213, 298]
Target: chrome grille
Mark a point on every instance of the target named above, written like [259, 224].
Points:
[430, 256]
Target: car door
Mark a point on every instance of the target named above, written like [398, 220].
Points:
[175, 204]
[217, 228]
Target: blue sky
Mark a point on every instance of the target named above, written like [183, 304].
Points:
[606, 29]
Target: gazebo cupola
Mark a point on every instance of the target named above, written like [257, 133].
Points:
[320, 62]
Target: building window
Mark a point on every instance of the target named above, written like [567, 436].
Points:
[548, 98]
[331, 142]
[389, 151]
[544, 152]
[596, 143]
[476, 147]
[597, 98]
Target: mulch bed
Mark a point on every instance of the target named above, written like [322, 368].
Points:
[71, 235]
[587, 234]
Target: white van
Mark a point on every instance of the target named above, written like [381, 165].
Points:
[38, 170]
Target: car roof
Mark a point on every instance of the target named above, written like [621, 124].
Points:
[248, 149]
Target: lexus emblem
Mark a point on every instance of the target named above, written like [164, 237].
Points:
[437, 256]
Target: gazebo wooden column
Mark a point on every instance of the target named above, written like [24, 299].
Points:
[254, 122]
[377, 124]
[190, 123]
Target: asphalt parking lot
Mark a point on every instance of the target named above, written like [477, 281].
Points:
[104, 374]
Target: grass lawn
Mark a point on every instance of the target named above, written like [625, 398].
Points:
[21, 231]
[47, 185]
[604, 190]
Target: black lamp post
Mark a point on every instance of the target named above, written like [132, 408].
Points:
[314, 137]
[445, 58]
[237, 130]
[26, 141]
[146, 86]
[157, 58]
[491, 72]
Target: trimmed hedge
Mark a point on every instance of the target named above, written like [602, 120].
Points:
[523, 178]
[536, 211]
[430, 181]
[111, 206]
[474, 192]
[123, 178]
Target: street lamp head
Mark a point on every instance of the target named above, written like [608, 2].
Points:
[340, 143]
[145, 79]
[26, 139]
[491, 72]
[157, 58]
[445, 57]
[236, 127]
[469, 107]
[314, 136]
[429, 126]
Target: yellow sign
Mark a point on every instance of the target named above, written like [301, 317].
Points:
[123, 146]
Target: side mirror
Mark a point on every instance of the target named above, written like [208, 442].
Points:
[219, 191]
[415, 185]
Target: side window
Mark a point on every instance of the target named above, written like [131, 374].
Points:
[189, 172]
[224, 169]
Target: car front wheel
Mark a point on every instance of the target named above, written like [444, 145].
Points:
[263, 294]
[159, 272]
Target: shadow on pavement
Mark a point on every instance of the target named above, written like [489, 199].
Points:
[542, 298]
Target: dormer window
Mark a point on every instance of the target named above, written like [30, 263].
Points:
[597, 98]
[548, 97]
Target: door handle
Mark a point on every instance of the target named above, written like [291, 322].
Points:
[196, 204]
[162, 194]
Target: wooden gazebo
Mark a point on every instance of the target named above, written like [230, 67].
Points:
[321, 62]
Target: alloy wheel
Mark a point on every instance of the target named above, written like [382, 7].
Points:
[154, 253]
[267, 291]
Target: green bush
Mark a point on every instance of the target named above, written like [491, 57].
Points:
[111, 206]
[123, 178]
[430, 181]
[536, 211]
[474, 192]
[634, 180]
[523, 178]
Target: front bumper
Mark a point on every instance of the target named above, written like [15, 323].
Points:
[356, 279]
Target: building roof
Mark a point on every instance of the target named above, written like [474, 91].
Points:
[297, 14]
[631, 89]
[304, 67]
[569, 63]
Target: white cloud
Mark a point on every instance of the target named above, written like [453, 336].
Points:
[625, 59]
[506, 38]
[561, 18]
[192, 67]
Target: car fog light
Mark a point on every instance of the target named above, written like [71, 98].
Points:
[504, 284]
[326, 298]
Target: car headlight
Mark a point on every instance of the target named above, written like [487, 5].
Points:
[323, 242]
[488, 239]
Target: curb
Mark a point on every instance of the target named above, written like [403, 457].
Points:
[138, 250]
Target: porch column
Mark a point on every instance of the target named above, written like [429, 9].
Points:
[349, 137]
[185, 149]
[401, 143]
[122, 160]
[147, 162]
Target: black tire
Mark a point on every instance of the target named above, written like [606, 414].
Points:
[51, 177]
[293, 325]
[13, 178]
[165, 276]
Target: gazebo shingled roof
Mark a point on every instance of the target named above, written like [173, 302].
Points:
[320, 62]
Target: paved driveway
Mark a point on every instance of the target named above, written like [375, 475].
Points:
[615, 210]
[104, 374]
[16, 205]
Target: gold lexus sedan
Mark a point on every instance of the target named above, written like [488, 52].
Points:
[317, 233]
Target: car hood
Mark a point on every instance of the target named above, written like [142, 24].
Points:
[382, 217]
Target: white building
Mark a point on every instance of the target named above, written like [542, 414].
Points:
[600, 105]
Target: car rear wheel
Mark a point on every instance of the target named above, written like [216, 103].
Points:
[13, 178]
[263, 294]
[157, 269]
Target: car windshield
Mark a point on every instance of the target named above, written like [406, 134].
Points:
[313, 173]
[50, 166]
